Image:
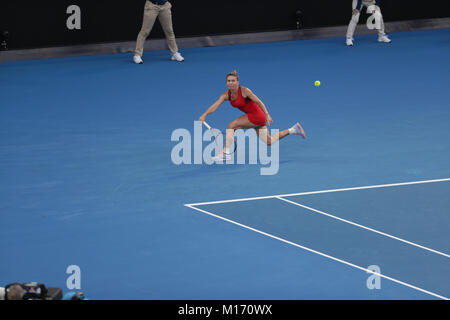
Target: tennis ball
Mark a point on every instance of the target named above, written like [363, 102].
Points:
[317, 83]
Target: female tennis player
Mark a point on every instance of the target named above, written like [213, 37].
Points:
[256, 114]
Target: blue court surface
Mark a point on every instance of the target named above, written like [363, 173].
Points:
[87, 177]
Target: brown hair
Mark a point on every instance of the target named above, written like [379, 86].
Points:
[233, 73]
[15, 292]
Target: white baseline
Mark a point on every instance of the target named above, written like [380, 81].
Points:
[317, 192]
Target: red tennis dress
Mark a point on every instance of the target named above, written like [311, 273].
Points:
[254, 113]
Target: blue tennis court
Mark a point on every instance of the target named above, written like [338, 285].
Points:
[87, 177]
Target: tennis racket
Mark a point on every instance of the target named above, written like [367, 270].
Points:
[220, 138]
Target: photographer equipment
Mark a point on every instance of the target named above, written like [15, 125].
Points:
[74, 296]
[32, 291]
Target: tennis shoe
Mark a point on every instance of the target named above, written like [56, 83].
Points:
[222, 157]
[298, 130]
[137, 59]
[349, 42]
[177, 57]
[384, 39]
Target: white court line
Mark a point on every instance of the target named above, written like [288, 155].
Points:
[319, 253]
[322, 191]
[364, 227]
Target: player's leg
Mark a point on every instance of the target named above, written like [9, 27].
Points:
[240, 123]
[263, 133]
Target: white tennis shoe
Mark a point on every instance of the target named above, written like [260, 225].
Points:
[177, 57]
[349, 42]
[384, 39]
[137, 59]
[221, 157]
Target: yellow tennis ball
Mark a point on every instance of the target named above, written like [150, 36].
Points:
[317, 83]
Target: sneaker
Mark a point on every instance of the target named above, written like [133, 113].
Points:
[384, 39]
[222, 157]
[137, 59]
[177, 57]
[349, 42]
[299, 130]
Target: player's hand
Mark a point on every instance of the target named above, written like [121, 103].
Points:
[355, 11]
[269, 119]
[202, 119]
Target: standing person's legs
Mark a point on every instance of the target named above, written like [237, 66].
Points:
[381, 31]
[382, 37]
[165, 18]
[151, 11]
[352, 25]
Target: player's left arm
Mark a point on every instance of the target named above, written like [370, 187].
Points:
[247, 93]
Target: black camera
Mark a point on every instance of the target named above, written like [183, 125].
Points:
[31, 291]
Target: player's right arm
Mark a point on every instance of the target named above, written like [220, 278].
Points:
[213, 107]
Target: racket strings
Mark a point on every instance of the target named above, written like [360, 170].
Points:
[224, 142]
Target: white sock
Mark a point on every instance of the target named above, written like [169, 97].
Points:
[227, 150]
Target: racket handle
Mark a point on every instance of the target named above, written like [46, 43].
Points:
[206, 125]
